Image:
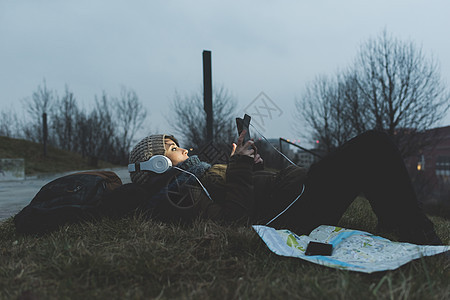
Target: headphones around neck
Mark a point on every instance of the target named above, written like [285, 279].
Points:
[158, 164]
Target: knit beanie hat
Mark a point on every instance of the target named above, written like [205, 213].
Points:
[143, 151]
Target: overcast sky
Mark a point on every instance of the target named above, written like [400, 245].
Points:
[155, 47]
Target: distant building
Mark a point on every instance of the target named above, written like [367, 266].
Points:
[298, 155]
[304, 159]
[432, 165]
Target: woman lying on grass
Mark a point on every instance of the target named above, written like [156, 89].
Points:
[369, 163]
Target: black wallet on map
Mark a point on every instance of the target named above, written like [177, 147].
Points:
[316, 248]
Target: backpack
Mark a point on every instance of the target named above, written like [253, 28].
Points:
[67, 199]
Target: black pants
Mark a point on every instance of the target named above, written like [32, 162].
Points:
[370, 164]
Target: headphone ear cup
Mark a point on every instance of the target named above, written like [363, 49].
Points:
[160, 164]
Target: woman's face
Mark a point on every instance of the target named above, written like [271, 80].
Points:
[174, 153]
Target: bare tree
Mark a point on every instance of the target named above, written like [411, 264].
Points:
[401, 89]
[189, 118]
[95, 133]
[9, 124]
[40, 102]
[106, 132]
[392, 87]
[82, 133]
[323, 107]
[63, 115]
[105, 142]
[354, 105]
[130, 114]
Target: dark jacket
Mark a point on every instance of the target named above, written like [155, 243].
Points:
[239, 193]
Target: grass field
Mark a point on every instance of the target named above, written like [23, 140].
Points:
[56, 161]
[134, 258]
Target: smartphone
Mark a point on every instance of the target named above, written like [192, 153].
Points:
[316, 248]
[244, 124]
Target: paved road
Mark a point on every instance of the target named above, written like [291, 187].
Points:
[14, 195]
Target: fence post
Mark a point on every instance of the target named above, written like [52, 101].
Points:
[45, 132]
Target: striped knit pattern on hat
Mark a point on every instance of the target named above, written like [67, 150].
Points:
[143, 151]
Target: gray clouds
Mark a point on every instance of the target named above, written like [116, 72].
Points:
[155, 47]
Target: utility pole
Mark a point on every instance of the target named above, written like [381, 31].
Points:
[207, 94]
